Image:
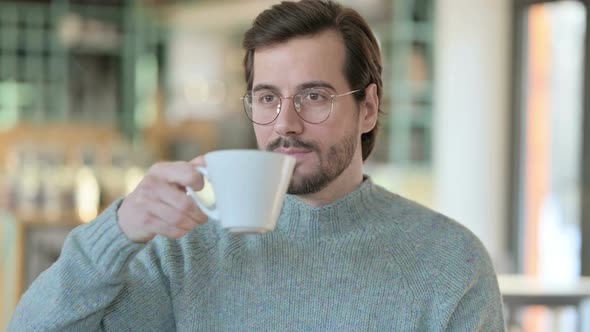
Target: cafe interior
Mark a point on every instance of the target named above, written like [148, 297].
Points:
[486, 120]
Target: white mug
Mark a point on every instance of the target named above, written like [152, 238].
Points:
[249, 187]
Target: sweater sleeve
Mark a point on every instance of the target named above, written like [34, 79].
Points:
[78, 292]
[480, 307]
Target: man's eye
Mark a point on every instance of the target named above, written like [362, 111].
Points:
[268, 98]
[314, 96]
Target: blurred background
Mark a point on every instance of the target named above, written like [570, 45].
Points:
[487, 121]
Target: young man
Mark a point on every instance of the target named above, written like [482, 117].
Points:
[346, 254]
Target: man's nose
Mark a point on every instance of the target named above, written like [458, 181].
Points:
[288, 122]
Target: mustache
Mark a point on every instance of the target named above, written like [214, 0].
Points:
[291, 142]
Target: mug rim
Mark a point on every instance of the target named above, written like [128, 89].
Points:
[247, 151]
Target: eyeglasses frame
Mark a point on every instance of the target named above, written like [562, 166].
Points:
[280, 106]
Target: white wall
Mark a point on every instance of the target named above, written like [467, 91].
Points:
[471, 127]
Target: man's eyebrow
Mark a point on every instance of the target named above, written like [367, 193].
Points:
[302, 86]
[315, 84]
[263, 86]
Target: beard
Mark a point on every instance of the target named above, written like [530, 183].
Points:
[330, 165]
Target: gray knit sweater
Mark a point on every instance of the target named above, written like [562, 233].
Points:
[370, 261]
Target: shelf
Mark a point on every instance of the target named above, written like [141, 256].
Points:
[66, 218]
[69, 219]
[97, 51]
[162, 135]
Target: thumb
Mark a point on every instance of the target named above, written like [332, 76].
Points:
[198, 161]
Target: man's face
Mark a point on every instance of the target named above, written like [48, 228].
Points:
[323, 151]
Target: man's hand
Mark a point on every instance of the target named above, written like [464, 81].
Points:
[159, 204]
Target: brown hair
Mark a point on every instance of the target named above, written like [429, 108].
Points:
[307, 17]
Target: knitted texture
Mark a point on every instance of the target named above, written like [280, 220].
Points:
[369, 261]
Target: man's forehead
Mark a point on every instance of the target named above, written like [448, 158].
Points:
[318, 57]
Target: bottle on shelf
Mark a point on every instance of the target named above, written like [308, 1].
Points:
[136, 170]
[112, 175]
[52, 186]
[87, 189]
[28, 191]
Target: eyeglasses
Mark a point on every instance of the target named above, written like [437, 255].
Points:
[312, 105]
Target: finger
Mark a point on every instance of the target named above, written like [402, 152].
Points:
[199, 161]
[190, 208]
[176, 197]
[178, 172]
[172, 217]
[201, 217]
[167, 230]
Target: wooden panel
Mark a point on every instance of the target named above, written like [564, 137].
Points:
[160, 137]
[3, 259]
[68, 136]
[11, 268]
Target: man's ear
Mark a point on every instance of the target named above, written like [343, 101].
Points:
[369, 109]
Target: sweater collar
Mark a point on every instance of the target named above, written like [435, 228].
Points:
[344, 215]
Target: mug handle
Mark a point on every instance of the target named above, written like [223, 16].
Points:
[213, 214]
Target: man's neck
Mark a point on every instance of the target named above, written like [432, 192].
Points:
[347, 182]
